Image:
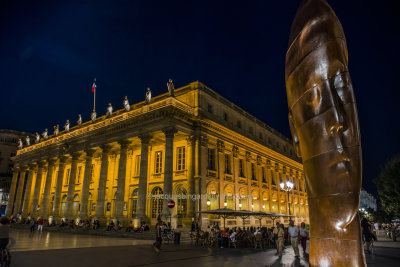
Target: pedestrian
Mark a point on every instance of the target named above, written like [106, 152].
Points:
[294, 238]
[281, 239]
[32, 225]
[40, 224]
[366, 232]
[158, 243]
[4, 232]
[275, 237]
[303, 237]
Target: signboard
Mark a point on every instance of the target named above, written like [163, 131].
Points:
[171, 204]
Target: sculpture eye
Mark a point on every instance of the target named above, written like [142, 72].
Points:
[314, 98]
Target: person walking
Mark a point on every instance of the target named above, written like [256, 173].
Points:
[303, 237]
[158, 243]
[32, 225]
[294, 238]
[280, 240]
[40, 225]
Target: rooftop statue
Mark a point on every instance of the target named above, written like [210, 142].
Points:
[79, 121]
[56, 130]
[20, 144]
[28, 141]
[126, 104]
[45, 134]
[171, 87]
[109, 110]
[66, 126]
[93, 116]
[324, 124]
[37, 138]
[148, 96]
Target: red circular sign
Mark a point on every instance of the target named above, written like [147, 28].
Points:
[171, 204]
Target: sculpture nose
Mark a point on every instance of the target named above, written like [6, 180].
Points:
[336, 130]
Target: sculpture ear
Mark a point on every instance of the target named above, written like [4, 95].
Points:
[294, 135]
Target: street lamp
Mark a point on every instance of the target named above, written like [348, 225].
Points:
[240, 205]
[208, 203]
[225, 204]
[287, 188]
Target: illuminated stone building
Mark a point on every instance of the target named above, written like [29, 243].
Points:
[195, 142]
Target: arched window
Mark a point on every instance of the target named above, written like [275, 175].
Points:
[76, 206]
[156, 202]
[135, 194]
[182, 201]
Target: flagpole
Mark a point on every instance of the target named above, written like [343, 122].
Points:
[94, 97]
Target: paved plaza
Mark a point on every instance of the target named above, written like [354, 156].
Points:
[60, 249]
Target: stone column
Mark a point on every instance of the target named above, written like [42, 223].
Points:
[202, 154]
[59, 184]
[142, 194]
[83, 214]
[36, 192]
[20, 189]
[28, 191]
[13, 188]
[44, 210]
[191, 142]
[101, 192]
[168, 169]
[71, 186]
[122, 172]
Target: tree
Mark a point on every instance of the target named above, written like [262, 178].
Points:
[388, 185]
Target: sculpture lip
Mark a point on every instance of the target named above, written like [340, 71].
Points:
[341, 163]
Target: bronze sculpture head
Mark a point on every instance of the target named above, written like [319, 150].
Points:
[324, 124]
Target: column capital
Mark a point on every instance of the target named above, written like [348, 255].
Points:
[76, 155]
[24, 168]
[169, 132]
[33, 166]
[235, 151]
[42, 163]
[90, 152]
[124, 143]
[52, 161]
[106, 148]
[191, 140]
[145, 138]
[203, 140]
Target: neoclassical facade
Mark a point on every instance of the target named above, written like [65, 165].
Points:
[195, 143]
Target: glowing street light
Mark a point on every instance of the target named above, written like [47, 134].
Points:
[208, 203]
[288, 187]
[225, 204]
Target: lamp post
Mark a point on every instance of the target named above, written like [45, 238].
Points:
[287, 187]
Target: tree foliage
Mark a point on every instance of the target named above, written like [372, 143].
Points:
[388, 185]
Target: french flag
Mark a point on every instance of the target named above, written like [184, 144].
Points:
[94, 86]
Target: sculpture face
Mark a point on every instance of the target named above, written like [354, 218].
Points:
[324, 124]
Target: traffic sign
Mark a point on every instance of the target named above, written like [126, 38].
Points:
[171, 204]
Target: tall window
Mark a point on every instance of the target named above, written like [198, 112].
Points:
[210, 108]
[211, 159]
[156, 202]
[241, 168]
[263, 175]
[67, 173]
[158, 162]
[253, 172]
[227, 164]
[91, 175]
[180, 158]
[137, 166]
[78, 178]
[239, 124]
[225, 116]
[272, 178]
[182, 201]
[135, 194]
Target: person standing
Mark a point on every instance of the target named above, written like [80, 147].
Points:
[303, 237]
[4, 231]
[158, 243]
[376, 225]
[281, 239]
[275, 237]
[294, 238]
[366, 232]
[40, 225]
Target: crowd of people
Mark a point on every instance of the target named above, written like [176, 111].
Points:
[256, 237]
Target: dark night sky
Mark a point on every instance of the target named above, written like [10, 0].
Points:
[50, 53]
